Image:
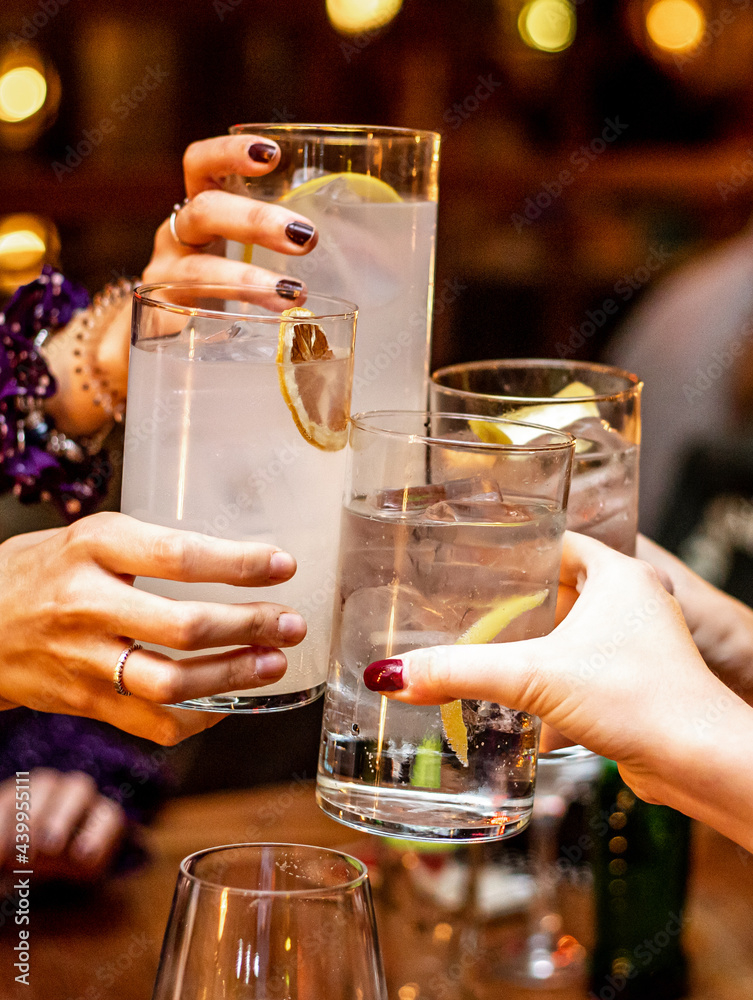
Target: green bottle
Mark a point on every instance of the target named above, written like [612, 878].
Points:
[640, 864]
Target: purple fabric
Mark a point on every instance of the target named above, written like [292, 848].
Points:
[26, 467]
[123, 771]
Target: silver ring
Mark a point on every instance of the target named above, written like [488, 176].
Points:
[173, 233]
[117, 677]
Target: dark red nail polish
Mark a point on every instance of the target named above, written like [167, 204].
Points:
[262, 152]
[384, 675]
[299, 232]
[288, 289]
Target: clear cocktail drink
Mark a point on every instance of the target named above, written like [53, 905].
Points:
[597, 404]
[213, 445]
[372, 195]
[433, 552]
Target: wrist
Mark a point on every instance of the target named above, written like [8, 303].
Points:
[704, 771]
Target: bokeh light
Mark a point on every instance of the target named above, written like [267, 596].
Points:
[547, 25]
[676, 25]
[26, 242]
[353, 17]
[23, 91]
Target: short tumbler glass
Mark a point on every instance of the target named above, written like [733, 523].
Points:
[598, 404]
[445, 539]
[263, 921]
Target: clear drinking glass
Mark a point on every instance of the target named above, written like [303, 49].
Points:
[226, 436]
[372, 194]
[271, 922]
[445, 538]
[600, 406]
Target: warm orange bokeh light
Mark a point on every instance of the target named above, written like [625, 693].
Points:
[676, 25]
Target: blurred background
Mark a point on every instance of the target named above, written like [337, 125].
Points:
[590, 150]
[588, 146]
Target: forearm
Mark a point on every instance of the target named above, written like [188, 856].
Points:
[708, 774]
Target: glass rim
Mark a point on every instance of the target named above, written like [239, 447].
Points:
[146, 294]
[566, 442]
[634, 383]
[360, 879]
[364, 131]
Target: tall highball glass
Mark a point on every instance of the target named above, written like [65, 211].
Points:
[236, 427]
[446, 538]
[264, 921]
[371, 192]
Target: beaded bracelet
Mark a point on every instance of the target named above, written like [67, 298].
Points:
[38, 462]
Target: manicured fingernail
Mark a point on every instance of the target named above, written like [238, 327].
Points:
[384, 675]
[281, 565]
[291, 626]
[299, 232]
[288, 289]
[270, 664]
[262, 152]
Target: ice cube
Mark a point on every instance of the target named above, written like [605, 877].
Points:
[594, 435]
[410, 498]
[478, 512]
[477, 489]
[386, 621]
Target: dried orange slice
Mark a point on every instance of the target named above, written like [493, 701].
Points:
[316, 394]
[484, 630]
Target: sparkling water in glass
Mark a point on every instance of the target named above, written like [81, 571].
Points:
[444, 539]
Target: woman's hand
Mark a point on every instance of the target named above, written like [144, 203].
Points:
[621, 675]
[211, 216]
[68, 609]
[74, 831]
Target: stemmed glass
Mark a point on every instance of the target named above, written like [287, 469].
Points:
[271, 922]
[600, 406]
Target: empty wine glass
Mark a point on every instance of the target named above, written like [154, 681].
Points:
[271, 922]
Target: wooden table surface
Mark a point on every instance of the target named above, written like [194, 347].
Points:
[105, 945]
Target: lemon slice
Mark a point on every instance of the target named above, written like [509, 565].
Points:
[357, 187]
[553, 415]
[316, 395]
[484, 630]
[362, 187]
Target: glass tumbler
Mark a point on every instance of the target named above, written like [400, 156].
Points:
[271, 922]
[236, 427]
[445, 539]
[372, 194]
[599, 405]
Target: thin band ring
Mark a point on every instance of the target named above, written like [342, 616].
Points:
[117, 677]
[173, 233]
